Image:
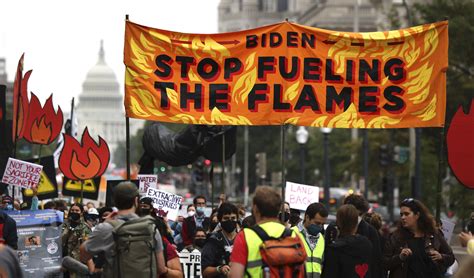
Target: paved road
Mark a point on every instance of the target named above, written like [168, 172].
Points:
[459, 252]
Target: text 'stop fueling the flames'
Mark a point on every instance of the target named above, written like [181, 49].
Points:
[288, 73]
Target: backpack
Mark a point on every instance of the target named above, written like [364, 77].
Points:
[282, 257]
[135, 246]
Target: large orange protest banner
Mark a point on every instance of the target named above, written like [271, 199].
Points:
[288, 74]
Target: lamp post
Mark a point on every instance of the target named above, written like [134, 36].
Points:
[302, 136]
[327, 170]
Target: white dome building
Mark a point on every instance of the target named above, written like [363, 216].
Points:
[101, 106]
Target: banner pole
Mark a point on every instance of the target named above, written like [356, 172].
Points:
[223, 185]
[283, 172]
[17, 111]
[127, 134]
[82, 191]
[440, 167]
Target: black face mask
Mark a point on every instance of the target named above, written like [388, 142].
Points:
[74, 216]
[286, 216]
[199, 242]
[229, 226]
[143, 212]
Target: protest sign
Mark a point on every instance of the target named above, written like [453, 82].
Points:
[447, 228]
[287, 73]
[90, 188]
[147, 181]
[166, 203]
[191, 263]
[300, 196]
[47, 186]
[39, 241]
[21, 173]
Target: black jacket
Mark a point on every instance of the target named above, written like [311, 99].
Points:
[9, 230]
[348, 257]
[367, 230]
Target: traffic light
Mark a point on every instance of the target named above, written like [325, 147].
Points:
[385, 157]
[197, 176]
[261, 165]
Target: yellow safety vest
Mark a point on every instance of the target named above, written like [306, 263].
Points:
[314, 257]
[254, 259]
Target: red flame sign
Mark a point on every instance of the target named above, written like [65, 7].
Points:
[43, 124]
[83, 161]
[460, 140]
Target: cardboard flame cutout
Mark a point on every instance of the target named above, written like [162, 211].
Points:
[460, 138]
[85, 160]
[36, 124]
[23, 114]
[43, 124]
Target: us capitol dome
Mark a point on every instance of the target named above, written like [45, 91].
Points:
[101, 106]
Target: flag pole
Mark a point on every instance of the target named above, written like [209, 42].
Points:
[17, 116]
[283, 174]
[223, 187]
[72, 117]
[127, 133]
[439, 189]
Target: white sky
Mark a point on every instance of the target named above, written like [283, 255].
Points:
[61, 39]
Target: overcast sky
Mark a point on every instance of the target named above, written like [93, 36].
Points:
[61, 39]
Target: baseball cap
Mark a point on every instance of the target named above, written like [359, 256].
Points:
[93, 211]
[146, 200]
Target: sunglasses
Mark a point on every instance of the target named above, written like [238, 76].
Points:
[408, 201]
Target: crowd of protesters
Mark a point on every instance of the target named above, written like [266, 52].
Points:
[230, 239]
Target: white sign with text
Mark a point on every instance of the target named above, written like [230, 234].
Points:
[21, 173]
[191, 263]
[166, 203]
[300, 196]
[146, 181]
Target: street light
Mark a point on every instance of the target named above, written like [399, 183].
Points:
[327, 170]
[302, 138]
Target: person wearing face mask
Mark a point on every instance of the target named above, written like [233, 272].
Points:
[199, 241]
[8, 233]
[75, 232]
[215, 256]
[145, 206]
[197, 220]
[92, 218]
[311, 232]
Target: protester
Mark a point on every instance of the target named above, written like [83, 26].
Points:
[8, 232]
[170, 254]
[248, 221]
[145, 206]
[74, 232]
[350, 255]
[9, 265]
[295, 218]
[91, 218]
[7, 203]
[365, 229]
[311, 232]
[101, 239]
[284, 215]
[199, 241]
[215, 256]
[192, 222]
[178, 227]
[104, 212]
[246, 258]
[416, 248]
[214, 222]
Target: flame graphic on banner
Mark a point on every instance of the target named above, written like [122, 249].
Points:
[43, 124]
[422, 87]
[459, 140]
[85, 160]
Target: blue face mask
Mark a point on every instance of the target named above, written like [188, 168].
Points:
[314, 229]
[200, 210]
